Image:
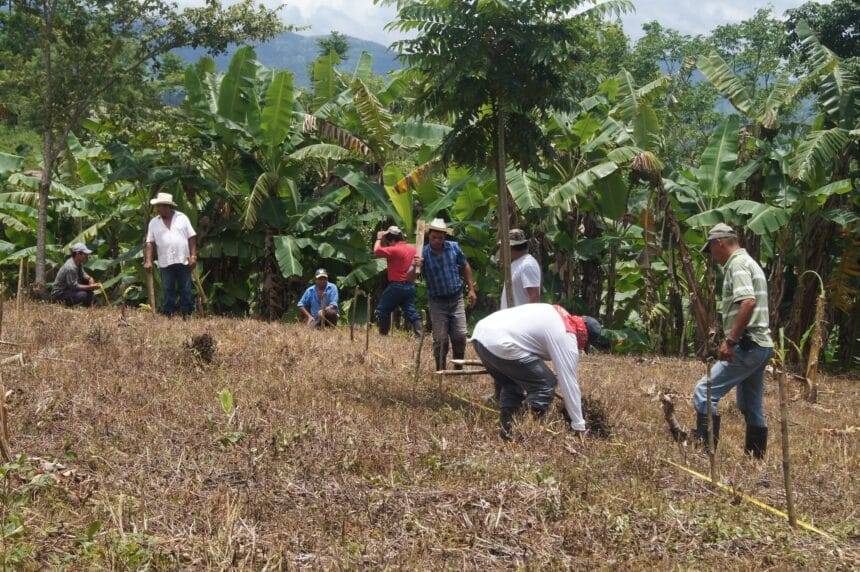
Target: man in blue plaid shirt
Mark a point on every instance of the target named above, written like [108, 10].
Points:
[444, 266]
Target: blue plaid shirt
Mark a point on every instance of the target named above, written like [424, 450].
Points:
[311, 302]
[442, 272]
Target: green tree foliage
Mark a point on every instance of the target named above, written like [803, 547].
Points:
[69, 56]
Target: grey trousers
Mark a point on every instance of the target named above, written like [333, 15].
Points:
[516, 377]
[448, 317]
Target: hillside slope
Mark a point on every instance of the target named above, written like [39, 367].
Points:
[330, 458]
[295, 52]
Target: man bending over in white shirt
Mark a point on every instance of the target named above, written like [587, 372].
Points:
[513, 345]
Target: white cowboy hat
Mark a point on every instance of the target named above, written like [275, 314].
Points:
[163, 199]
[439, 224]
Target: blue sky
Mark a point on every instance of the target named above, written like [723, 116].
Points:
[363, 19]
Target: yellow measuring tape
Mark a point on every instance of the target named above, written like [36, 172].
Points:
[753, 501]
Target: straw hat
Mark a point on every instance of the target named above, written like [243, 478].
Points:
[163, 199]
[439, 224]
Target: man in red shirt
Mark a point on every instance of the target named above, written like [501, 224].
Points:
[391, 245]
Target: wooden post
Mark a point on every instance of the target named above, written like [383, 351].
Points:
[150, 290]
[786, 460]
[5, 446]
[353, 310]
[367, 327]
[712, 453]
[418, 359]
[420, 230]
[503, 211]
[22, 268]
[201, 293]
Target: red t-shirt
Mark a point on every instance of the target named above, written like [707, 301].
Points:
[399, 255]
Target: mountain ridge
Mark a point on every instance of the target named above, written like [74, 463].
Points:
[294, 52]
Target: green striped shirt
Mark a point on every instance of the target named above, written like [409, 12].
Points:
[745, 280]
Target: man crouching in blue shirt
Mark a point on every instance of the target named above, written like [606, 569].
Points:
[319, 302]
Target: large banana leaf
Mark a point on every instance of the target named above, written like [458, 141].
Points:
[325, 80]
[277, 114]
[416, 177]
[237, 86]
[363, 272]
[10, 163]
[326, 130]
[612, 195]
[370, 190]
[288, 255]
[562, 195]
[724, 79]
[376, 121]
[524, 189]
[402, 201]
[412, 134]
[816, 153]
[760, 218]
[324, 151]
[719, 158]
[199, 86]
[364, 67]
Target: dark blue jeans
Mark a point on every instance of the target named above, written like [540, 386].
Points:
[176, 277]
[397, 294]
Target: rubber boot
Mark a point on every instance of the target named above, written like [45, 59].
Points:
[384, 325]
[417, 328]
[506, 422]
[458, 351]
[702, 429]
[756, 441]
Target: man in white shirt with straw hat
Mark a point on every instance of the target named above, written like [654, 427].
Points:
[176, 243]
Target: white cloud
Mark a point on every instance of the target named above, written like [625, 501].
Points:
[363, 19]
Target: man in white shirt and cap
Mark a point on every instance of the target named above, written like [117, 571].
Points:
[176, 243]
[513, 345]
[525, 271]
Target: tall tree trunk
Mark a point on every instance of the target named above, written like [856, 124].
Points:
[503, 211]
[42, 220]
[48, 146]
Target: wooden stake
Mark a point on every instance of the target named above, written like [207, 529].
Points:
[150, 289]
[5, 447]
[104, 293]
[201, 293]
[22, 266]
[712, 453]
[461, 372]
[421, 228]
[786, 460]
[418, 358]
[367, 327]
[503, 213]
[353, 310]
[467, 362]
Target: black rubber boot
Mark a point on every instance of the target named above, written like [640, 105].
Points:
[756, 441]
[384, 325]
[506, 422]
[702, 429]
[458, 351]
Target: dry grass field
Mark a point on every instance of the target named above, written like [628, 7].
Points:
[127, 458]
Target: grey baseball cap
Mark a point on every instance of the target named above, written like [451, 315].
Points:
[80, 247]
[320, 273]
[394, 231]
[719, 230]
[516, 237]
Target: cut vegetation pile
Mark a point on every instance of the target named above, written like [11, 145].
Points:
[289, 449]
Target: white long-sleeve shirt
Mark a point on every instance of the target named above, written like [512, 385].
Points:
[530, 330]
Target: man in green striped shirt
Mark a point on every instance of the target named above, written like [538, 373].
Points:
[747, 346]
